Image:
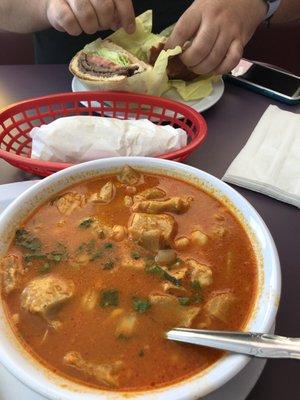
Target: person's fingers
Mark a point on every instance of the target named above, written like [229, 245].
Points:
[85, 15]
[216, 54]
[106, 13]
[202, 45]
[116, 23]
[184, 30]
[62, 18]
[231, 59]
[126, 14]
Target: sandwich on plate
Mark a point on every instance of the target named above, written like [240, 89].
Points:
[137, 63]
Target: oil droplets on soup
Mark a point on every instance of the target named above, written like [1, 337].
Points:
[95, 277]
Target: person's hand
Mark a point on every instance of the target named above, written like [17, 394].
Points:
[90, 16]
[218, 31]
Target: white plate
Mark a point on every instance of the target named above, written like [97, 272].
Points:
[199, 105]
[237, 388]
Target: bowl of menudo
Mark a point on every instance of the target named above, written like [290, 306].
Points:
[99, 260]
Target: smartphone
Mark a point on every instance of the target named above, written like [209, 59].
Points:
[267, 80]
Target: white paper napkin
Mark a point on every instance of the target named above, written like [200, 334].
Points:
[269, 163]
[82, 138]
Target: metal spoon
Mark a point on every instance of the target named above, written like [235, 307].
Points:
[253, 344]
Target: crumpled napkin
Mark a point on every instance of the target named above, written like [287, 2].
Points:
[270, 161]
[82, 138]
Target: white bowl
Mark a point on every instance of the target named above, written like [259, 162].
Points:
[45, 382]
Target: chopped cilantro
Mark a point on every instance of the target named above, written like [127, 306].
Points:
[197, 298]
[135, 255]
[33, 256]
[141, 353]
[45, 268]
[109, 298]
[55, 256]
[81, 248]
[109, 265]
[197, 289]
[140, 305]
[155, 270]
[184, 301]
[196, 285]
[98, 254]
[59, 254]
[171, 278]
[25, 239]
[162, 273]
[86, 223]
[88, 247]
[108, 245]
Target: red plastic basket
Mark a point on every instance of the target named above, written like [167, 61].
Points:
[17, 120]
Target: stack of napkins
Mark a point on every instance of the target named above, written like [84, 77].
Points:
[270, 161]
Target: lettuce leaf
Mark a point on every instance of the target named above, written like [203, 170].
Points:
[140, 42]
[167, 31]
[92, 47]
[113, 56]
[160, 67]
[193, 90]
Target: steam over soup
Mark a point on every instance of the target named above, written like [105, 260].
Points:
[96, 276]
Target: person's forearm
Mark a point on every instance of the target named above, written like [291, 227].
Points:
[288, 11]
[23, 16]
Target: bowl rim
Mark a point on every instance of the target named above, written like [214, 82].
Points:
[197, 385]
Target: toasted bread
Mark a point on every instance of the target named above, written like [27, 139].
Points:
[76, 69]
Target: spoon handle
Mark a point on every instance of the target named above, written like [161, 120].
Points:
[253, 344]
